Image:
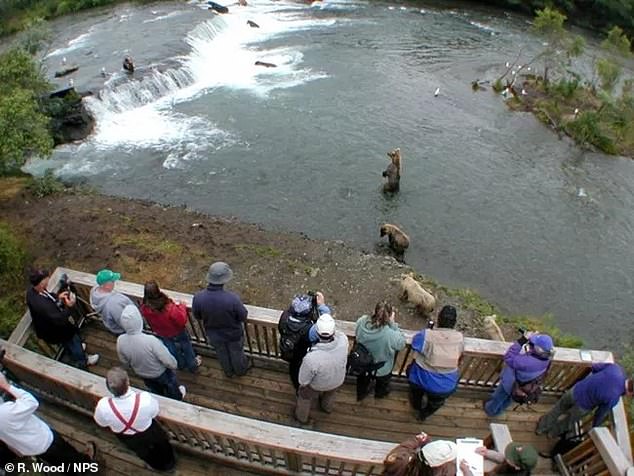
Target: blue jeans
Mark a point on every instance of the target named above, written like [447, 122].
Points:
[165, 384]
[74, 350]
[180, 346]
[499, 401]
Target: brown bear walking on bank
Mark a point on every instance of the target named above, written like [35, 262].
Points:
[412, 291]
[399, 241]
[393, 172]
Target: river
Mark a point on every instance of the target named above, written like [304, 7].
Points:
[491, 199]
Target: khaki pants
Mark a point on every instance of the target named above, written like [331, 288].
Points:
[305, 397]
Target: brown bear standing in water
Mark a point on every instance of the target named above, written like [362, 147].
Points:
[399, 241]
[393, 172]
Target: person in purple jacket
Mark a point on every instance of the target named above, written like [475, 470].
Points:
[223, 315]
[600, 391]
[525, 360]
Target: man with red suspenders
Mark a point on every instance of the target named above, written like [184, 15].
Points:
[130, 415]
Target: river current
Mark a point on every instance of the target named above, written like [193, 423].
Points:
[491, 199]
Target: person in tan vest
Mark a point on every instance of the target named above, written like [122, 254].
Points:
[433, 375]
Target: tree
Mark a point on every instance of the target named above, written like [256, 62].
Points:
[609, 68]
[24, 127]
[562, 46]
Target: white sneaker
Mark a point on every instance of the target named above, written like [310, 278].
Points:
[92, 359]
[183, 390]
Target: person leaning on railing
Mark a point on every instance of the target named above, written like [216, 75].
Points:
[131, 416]
[168, 320]
[50, 313]
[25, 434]
[434, 372]
[297, 330]
[382, 337]
[223, 316]
[600, 391]
[108, 302]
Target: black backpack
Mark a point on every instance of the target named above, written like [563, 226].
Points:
[528, 393]
[361, 361]
[292, 329]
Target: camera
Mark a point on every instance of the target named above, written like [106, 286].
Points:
[314, 307]
[63, 284]
[430, 324]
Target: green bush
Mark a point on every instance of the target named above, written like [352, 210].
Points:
[11, 311]
[46, 185]
[586, 130]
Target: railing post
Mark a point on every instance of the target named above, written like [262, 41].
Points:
[610, 452]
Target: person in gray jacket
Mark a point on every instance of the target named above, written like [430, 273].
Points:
[382, 337]
[148, 356]
[108, 302]
[323, 369]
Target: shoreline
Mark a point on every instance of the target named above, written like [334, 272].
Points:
[85, 230]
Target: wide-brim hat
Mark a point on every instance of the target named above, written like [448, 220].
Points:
[219, 273]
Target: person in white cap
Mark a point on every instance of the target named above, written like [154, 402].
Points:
[323, 369]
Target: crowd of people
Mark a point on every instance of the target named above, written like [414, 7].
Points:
[319, 360]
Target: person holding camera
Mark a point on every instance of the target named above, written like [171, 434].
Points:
[526, 360]
[297, 330]
[382, 337]
[433, 375]
[50, 313]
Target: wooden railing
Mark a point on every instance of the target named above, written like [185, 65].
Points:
[599, 455]
[480, 369]
[230, 439]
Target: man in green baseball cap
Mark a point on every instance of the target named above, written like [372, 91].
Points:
[108, 302]
[518, 458]
[105, 276]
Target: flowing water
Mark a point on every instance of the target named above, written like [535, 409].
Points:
[491, 199]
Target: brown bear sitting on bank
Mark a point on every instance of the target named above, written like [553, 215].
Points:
[393, 172]
[399, 241]
[411, 290]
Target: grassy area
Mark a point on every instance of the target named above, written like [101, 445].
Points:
[590, 118]
[13, 261]
[18, 15]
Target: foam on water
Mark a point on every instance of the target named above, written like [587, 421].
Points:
[72, 44]
[223, 52]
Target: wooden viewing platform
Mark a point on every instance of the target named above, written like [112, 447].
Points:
[246, 422]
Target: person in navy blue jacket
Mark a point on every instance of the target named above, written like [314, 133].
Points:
[600, 391]
[223, 316]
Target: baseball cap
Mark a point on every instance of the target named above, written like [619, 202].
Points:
[106, 275]
[524, 456]
[325, 325]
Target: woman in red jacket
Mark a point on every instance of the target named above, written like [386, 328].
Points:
[168, 321]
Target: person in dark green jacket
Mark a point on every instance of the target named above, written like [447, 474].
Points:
[381, 335]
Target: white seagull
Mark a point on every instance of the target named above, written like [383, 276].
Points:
[437, 92]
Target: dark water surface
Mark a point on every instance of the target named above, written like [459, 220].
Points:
[491, 199]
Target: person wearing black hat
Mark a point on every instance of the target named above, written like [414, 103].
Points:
[50, 313]
[223, 315]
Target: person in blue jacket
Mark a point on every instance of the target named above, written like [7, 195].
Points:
[527, 359]
[600, 391]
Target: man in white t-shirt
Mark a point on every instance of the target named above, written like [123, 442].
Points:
[25, 434]
[130, 415]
